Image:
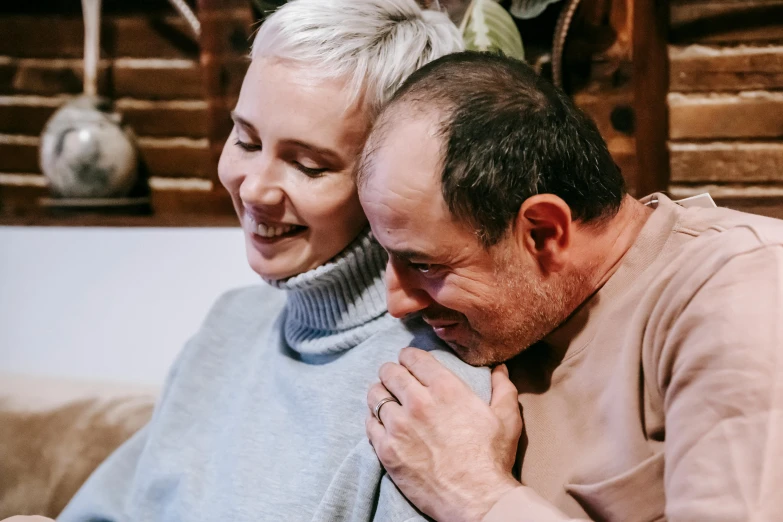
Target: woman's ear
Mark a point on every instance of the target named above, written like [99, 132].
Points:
[543, 229]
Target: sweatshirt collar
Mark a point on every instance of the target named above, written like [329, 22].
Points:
[339, 304]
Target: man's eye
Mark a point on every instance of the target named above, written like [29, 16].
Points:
[249, 147]
[424, 268]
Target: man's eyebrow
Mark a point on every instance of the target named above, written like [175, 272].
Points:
[408, 255]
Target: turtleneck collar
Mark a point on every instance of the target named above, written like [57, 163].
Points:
[338, 305]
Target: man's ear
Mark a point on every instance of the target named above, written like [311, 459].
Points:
[543, 229]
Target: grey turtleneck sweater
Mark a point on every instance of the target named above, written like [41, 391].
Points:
[262, 415]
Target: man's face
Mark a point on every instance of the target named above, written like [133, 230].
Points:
[487, 304]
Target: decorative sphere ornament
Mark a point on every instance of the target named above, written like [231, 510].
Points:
[86, 151]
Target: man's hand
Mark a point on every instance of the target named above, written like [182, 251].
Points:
[446, 450]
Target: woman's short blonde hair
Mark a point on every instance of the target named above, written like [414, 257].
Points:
[374, 44]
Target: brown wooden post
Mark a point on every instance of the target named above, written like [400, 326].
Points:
[226, 27]
[651, 85]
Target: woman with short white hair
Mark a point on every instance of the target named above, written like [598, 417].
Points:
[262, 416]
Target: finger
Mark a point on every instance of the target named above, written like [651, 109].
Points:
[377, 393]
[375, 431]
[424, 367]
[399, 381]
[505, 397]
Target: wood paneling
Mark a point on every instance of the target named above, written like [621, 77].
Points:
[46, 77]
[151, 65]
[165, 118]
[25, 115]
[727, 162]
[144, 78]
[613, 113]
[604, 105]
[726, 20]
[179, 157]
[175, 157]
[699, 68]
[28, 115]
[721, 116]
[19, 153]
[651, 85]
[226, 26]
[121, 37]
[19, 206]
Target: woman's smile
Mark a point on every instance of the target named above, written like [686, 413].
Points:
[266, 233]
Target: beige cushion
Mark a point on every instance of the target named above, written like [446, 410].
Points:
[54, 433]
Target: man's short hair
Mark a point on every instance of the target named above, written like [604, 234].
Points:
[508, 134]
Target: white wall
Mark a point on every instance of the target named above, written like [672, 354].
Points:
[109, 303]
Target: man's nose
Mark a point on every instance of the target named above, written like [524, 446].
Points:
[401, 298]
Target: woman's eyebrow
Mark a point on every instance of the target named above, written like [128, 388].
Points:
[239, 120]
[322, 151]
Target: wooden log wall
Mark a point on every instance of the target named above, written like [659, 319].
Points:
[603, 29]
[150, 65]
[726, 102]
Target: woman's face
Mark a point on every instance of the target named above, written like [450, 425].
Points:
[288, 167]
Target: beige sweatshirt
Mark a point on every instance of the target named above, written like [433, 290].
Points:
[662, 397]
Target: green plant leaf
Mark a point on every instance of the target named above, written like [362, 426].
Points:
[527, 9]
[489, 27]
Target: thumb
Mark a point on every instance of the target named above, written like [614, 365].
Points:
[505, 399]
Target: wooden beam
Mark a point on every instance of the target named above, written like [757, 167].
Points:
[225, 34]
[727, 162]
[755, 114]
[174, 157]
[726, 20]
[172, 118]
[700, 68]
[140, 36]
[651, 84]
[171, 208]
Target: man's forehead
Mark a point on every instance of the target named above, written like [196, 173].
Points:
[406, 158]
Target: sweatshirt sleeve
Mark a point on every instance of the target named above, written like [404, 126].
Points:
[106, 493]
[525, 505]
[721, 378]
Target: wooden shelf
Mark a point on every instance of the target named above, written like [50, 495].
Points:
[171, 208]
[96, 220]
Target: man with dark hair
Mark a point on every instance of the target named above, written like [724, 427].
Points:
[644, 339]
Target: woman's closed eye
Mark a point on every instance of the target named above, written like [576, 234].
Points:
[312, 172]
[248, 147]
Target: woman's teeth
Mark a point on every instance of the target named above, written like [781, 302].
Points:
[265, 231]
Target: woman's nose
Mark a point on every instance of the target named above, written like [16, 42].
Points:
[262, 186]
[401, 298]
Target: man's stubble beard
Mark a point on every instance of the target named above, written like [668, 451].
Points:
[527, 309]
